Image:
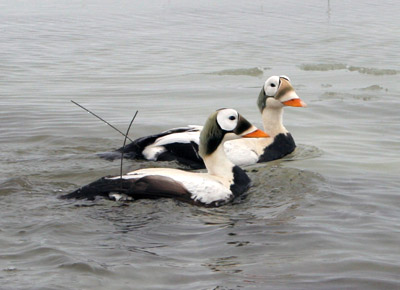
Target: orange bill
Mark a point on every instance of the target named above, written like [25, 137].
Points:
[256, 134]
[295, 103]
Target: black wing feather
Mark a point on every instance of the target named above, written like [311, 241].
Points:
[150, 187]
[184, 153]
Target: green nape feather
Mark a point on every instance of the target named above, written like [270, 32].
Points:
[211, 136]
[261, 101]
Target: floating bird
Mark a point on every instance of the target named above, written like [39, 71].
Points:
[222, 183]
[182, 144]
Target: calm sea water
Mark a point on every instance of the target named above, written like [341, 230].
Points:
[326, 217]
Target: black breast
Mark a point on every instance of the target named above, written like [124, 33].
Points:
[283, 145]
[241, 182]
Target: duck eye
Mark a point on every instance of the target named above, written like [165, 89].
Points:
[232, 118]
[273, 85]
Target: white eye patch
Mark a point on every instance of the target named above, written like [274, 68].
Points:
[285, 77]
[227, 119]
[271, 86]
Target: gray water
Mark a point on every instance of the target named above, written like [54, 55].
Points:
[325, 217]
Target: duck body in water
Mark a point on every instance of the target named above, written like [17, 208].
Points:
[182, 144]
[222, 183]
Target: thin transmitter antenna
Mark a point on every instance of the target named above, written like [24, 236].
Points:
[123, 147]
[195, 151]
[126, 136]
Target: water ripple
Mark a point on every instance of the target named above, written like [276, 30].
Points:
[338, 66]
[254, 72]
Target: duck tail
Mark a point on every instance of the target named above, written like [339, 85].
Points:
[102, 187]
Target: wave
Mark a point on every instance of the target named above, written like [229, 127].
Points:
[322, 67]
[340, 66]
[254, 72]
[15, 185]
[373, 71]
[89, 268]
[373, 88]
[343, 96]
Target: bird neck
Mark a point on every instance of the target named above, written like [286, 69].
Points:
[218, 164]
[272, 121]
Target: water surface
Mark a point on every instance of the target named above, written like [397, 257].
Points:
[324, 217]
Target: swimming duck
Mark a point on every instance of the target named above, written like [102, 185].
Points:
[222, 183]
[181, 144]
[276, 93]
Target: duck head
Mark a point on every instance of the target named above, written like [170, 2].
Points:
[224, 125]
[277, 92]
